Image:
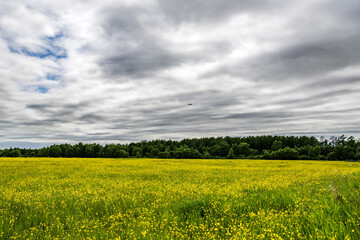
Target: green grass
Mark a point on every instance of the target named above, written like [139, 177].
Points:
[43, 198]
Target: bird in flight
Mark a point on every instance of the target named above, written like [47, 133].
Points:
[189, 104]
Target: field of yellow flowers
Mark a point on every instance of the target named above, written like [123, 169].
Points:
[54, 198]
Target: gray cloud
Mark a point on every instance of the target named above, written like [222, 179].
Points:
[136, 49]
[138, 63]
[316, 58]
[132, 51]
[210, 10]
[300, 60]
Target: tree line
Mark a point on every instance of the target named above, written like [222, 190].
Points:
[256, 147]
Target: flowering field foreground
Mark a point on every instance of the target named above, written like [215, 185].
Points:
[45, 198]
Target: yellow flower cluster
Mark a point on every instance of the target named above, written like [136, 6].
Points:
[54, 198]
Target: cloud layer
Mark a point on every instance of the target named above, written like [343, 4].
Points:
[125, 71]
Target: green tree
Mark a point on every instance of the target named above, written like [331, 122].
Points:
[55, 151]
[207, 155]
[358, 153]
[351, 141]
[285, 154]
[89, 151]
[69, 151]
[15, 153]
[80, 149]
[244, 149]
[341, 140]
[231, 154]
[186, 152]
[349, 153]
[154, 152]
[276, 145]
[236, 149]
[164, 155]
[339, 152]
[331, 156]
[314, 152]
[221, 149]
[43, 152]
[123, 154]
[137, 151]
[266, 154]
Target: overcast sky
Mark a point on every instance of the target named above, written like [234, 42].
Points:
[122, 71]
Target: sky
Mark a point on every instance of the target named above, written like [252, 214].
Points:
[123, 71]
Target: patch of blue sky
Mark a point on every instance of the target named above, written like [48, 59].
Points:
[13, 50]
[52, 41]
[45, 53]
[42, 89]
[52, 77]
[52, 49]
[56, 37]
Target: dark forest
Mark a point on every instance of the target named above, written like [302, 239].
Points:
[256, 147]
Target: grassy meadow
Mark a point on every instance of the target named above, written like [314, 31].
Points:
[59, 198]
